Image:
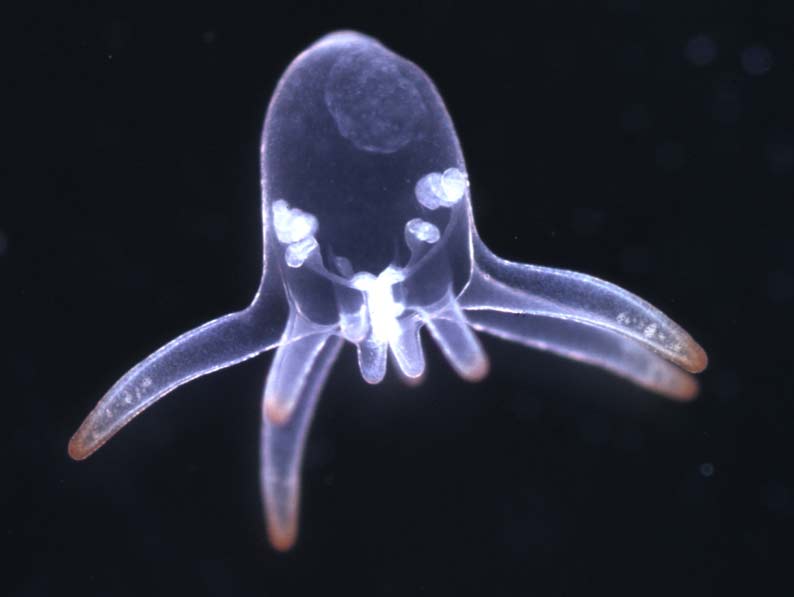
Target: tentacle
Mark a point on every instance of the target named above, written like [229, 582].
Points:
[217, 344]
[601, 347]
[499, 285]
[372, 353]
[460, 345]
[406, 347]
[290, 371]
[283, 442]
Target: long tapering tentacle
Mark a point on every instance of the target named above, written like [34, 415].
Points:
[502, 286]
[291, 369]
[463, 351]
[217, 344]
[608, 350]
[283, 438]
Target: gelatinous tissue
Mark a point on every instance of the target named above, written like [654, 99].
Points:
[368, 238]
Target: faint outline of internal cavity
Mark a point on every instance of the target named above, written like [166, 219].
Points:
[374, 104]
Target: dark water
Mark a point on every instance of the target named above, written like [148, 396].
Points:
[131, 214]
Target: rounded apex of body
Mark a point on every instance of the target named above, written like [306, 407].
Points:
[350, 130]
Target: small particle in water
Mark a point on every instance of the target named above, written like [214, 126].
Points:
[700, 50]
[707, 469]
[756, 60]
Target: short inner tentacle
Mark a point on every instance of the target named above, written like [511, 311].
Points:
[460, 345]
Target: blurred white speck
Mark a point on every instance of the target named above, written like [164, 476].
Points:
[707, 469]
[700, 50]
[208, 37]
[756, 60]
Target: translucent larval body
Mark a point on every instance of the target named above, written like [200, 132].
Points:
[368, 238]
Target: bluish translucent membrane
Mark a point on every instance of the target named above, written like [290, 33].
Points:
[351, 130]
[369, 237]
[367, 195]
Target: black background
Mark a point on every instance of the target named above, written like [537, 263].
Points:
[131, 213]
